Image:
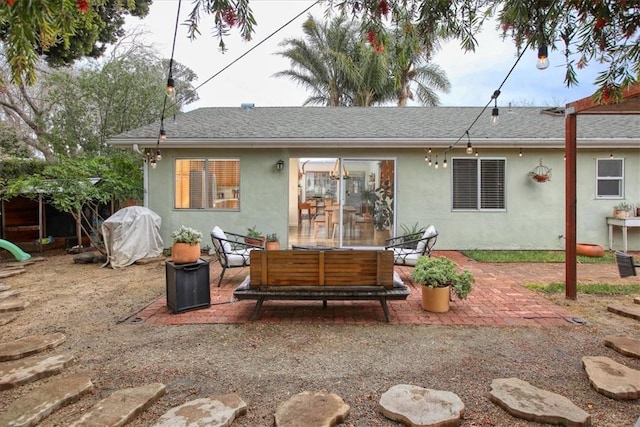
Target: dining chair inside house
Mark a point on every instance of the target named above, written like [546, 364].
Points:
[348, 217]
[304, 212]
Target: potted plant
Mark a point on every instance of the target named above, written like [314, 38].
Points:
[382, 216]
[273, 243]
[440, 279]
[254, 237]
[411, 233]
[186, 245]
[622, 210]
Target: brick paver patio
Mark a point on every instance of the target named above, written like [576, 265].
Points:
[498, 298]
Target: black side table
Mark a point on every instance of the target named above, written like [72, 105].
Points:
[188, 286]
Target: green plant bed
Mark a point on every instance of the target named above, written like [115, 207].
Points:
[532, 256]
[587, 288]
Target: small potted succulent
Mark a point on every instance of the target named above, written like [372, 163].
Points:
[622, 210]
[440, 279]
[254, 237]
[273, 242]
[186, 245]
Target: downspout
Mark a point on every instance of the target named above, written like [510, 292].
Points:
[145, 177]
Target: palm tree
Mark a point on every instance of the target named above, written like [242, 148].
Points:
[314, 60]
[411, 66]
[343, 70]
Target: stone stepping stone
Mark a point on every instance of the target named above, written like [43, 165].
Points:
[7, 318]
[523, 400]
[623, 345]
[421, 407]
[13, 305]
[623, 310]
[121, 406]
[22, 371]
[611, 378]
[41, 402]
[8, 294]
[27, 346]
[312, 409]
[11, 272]
[215, 411]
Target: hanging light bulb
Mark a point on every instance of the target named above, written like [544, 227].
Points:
[436, 165]
[444, 164]
[495, 115]
[158, 155]
[520, 153]
[611, 156]
[476, 151]
[171, 86]
[429, 161]
[163, 135]
[543, 58]
[469, 147]
[153, 163]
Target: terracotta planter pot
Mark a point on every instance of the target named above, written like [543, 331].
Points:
[621, 214]
[258, 241]
[272, 246]
[435, 300]
[185, 253]
[589, 249]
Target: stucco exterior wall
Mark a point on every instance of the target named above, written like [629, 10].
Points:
[534, 217]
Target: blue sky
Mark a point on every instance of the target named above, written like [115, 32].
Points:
[473, 75]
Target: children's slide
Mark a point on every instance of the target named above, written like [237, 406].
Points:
[18, 253]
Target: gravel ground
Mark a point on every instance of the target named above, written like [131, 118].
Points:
[266, 364]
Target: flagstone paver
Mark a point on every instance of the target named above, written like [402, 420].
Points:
[42, 401]
[9, 294]
[312, 409]
[27, 346]
[214, 411]
[7, 318]
[421, 407]
[13, 305]
[523, 400]
[11, 272]
[623, 345]
[611, 378]
[624, 310]
[121, 406]
[21, 371]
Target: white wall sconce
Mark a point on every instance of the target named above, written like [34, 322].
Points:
[280, 165]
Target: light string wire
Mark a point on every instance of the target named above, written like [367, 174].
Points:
[497, 92]
[173, 49]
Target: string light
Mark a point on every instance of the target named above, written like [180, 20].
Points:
[543, 58]
[520, 153]
[469, 147]
[436, 165]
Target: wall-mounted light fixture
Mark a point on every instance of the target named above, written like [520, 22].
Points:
[280, 165]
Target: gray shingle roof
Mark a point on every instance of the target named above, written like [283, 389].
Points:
[379, 126]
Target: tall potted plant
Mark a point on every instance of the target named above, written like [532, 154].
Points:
[186, 245]
[382, 216]
[440, 279]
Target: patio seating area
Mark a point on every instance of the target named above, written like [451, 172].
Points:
[498, 299]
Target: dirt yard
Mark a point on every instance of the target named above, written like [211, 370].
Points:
[266, 363]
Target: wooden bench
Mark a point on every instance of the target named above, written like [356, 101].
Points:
[626, 264]
[321, 275]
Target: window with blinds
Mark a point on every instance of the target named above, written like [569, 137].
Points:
[609, 178]
[478, 184]
[207, 184]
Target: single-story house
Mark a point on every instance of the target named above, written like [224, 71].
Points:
[503, 186]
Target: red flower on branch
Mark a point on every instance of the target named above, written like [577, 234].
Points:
[11, 2]
[229, 16]
[83, 5]
[383, 7]
[371, 36]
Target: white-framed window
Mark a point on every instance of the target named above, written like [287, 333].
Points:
[478, 183]
[207, 184]
[609, 178]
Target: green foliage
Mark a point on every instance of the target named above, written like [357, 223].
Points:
[440, 272]
[61, 31]
[622, 206]
[12, 169]
[186, 235]
[272, 237]
[587, 288]
[252, 232]
[532, 256]
[413, 232]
